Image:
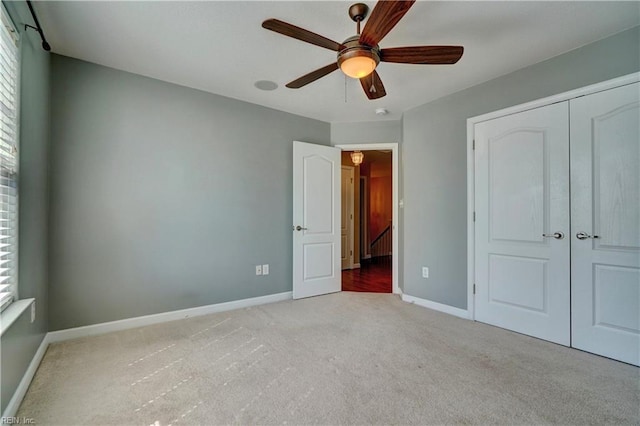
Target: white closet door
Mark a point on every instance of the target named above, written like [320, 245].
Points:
[521, 193]
[605, 199]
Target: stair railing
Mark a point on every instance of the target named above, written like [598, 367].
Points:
[382, 244]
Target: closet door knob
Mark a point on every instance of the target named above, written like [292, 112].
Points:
[585, 236]
[557, 235]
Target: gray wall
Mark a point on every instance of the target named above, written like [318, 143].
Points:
[21, 341]
[434, 154]
[383, 131]
[164, 197]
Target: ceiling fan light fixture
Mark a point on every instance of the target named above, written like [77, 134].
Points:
[357, 60]
[358, 66]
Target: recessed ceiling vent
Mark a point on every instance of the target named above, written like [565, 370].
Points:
[266, 85]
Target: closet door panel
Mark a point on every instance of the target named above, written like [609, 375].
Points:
[522, 199]
[605, 235]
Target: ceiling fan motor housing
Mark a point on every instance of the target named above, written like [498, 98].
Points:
[353, 48]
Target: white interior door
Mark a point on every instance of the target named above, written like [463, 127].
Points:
[346, 227]
[605, 200]
[522, 200]
[316, 220]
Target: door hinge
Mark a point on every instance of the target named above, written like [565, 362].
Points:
[474, 145]
[474, 216]
[351, 252]
[474, 288]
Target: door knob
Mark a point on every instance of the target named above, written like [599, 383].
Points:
[300, 228]
[585, 236]
[557, 235]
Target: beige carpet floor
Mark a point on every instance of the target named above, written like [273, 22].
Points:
[345, 358]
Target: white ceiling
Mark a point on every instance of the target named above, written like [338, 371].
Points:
[220, 46]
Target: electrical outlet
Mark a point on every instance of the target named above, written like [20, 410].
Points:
[265, 269]
[258, 269]
[425, 272]
[33, 312]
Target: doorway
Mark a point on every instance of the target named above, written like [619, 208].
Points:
[374, 230]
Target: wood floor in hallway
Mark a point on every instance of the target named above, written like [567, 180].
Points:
[373, 276]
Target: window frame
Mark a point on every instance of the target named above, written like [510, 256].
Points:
[11, 28]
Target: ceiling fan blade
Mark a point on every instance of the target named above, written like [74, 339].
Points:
[301, 34]
[372, 86]
[422, 54]
[384, 16]
[312, 76]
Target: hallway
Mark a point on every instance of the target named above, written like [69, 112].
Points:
[373, 276]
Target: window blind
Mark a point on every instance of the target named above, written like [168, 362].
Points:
[8, 161]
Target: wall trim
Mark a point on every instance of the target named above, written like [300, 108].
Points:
[451, 310]
[23, 386]
[107, 327]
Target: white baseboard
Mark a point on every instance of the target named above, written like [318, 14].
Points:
[462, 313]
[107, 327]
[23, 386]
[356, 266]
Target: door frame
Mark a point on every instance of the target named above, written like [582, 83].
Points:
[395, 185]
[471, 122]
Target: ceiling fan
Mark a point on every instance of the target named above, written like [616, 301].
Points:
[359, 55]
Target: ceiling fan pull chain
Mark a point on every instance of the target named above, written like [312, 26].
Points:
[345, 88]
